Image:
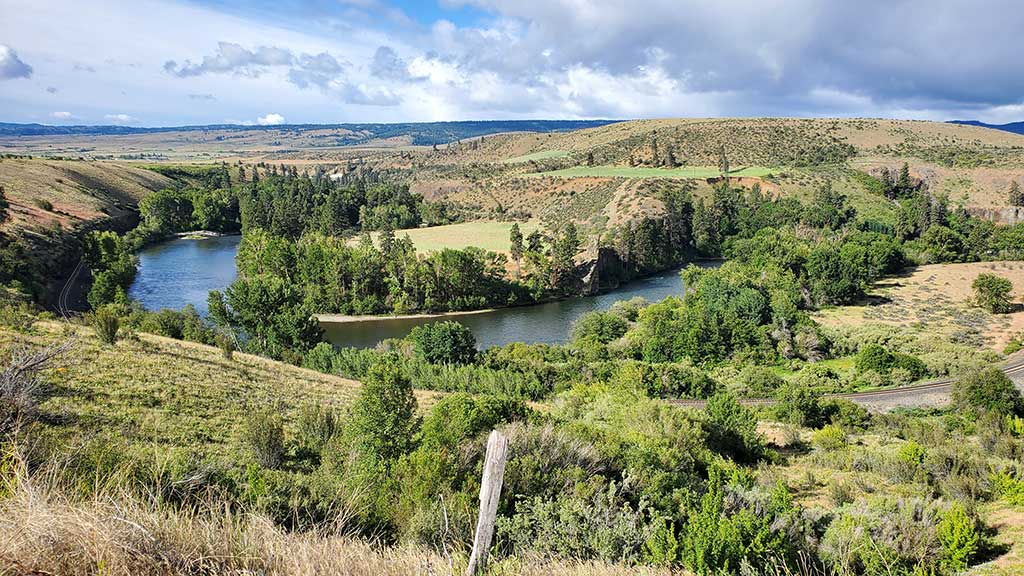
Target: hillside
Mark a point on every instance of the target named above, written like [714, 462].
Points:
[605, 173]
[69, 193]
[172, 393]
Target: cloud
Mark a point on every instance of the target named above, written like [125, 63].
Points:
[121, 118]
[52, 89]
[233, 58]
[206, 97]
[270, 120]
[319, 70]
[386, 64]
[64, 116]
[11, 66]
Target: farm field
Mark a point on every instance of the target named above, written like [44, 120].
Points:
[675, 173]
[487, 234]
[938, 299]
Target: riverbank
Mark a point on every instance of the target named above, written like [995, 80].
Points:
[346, 318]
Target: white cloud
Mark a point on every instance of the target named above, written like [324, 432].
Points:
[270, 120]
[121, 118]
[62, 115]
[11, 66]
[522, 58]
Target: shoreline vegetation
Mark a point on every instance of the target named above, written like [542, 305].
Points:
[352, 319]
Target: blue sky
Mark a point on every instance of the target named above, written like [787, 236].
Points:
[172, 62]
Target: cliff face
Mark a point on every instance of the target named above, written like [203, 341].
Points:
[1009, 215]
[601, 270]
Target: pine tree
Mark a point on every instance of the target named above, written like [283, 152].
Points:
[887, 184]
[590, 158]
[723, 162]
[1016, 195]
[516, 248]
[903, 183]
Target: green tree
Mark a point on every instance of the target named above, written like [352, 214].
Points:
[515, 237]
[987, 390]
[383, 418]
[604, 326]
[445, 342]
[723, 162]
[992, 293]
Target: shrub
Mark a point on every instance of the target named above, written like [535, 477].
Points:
[264, 434]
[799, 405]
[760, 381]
[17, 316]
[383, 416]
[166, 322]
[604, 326]
[732, 428]
[992, 293]
[319, 358]
[987, 390]
[445, 342]
[958, 534]
[105, 322]
[830, 438]
[316, 426]
[226, 343]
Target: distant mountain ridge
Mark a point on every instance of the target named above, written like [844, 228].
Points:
[1015, 127]
[422, 133]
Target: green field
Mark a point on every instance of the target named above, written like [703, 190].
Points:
[630, 172]
[485, 234]
[542, 155]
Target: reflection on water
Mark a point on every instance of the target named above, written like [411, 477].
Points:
[544, 323]
[179, 272]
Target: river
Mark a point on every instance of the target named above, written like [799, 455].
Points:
[180, 272]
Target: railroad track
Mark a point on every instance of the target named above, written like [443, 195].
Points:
[65, 293]
[939, 386]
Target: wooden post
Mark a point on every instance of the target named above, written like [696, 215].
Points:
[490, 492]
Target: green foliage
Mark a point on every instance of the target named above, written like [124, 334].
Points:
[264, 435]
[110, 259]
[603, 326]
[106, 323]
[992, 293]
[316, 426]
[732, 428]
[320, 358]
[383, 417]
[799, 405]
[987, 390]
[959, 537]
[830, 438]
[875, 358]
[446, 342]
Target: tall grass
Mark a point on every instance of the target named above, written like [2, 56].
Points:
[45, 529]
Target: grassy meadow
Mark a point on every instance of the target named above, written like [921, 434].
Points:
[487, 234]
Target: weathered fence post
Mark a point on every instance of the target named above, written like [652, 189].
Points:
[490, 491]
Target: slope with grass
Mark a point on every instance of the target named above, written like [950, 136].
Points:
[70, 193]
[171, 393]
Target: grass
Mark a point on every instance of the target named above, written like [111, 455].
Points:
[173, 393]
[689, 172]
[45, 529]
[486, 234]
[938, 299]
[542, 155]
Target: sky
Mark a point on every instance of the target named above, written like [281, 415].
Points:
[180, 62]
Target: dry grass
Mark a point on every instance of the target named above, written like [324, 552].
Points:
[43, 531]
[938, 299]
[78, 191]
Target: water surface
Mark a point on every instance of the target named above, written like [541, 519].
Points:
[183, 271]
[180, 272]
